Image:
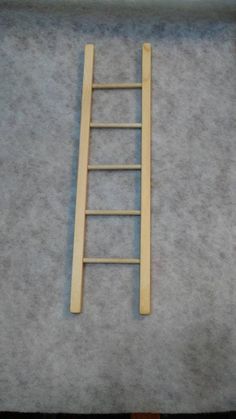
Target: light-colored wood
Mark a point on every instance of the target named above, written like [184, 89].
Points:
[117, 85]
[81, 198]
[111, 260]
[81, 194]
[113, 212]
[145, 246]
[115, 125]
[114, 166]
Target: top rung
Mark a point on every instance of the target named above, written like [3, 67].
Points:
[117, 85]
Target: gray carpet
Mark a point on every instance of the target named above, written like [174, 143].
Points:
[111, 359]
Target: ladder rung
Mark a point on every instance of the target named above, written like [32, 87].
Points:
[112, 212]
[114, 167]
[117, 85]
[111, 260]
[115, 125]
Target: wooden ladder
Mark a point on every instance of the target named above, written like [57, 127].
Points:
[81, 210]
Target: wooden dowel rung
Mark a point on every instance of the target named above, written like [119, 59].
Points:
[111, 260]
[117, 85]
[112, 212]
[114, 166]
[115, 125]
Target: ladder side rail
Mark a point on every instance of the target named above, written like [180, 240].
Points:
[145, 230]
[82, 178]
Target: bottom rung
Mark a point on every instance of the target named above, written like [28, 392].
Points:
[111, 260]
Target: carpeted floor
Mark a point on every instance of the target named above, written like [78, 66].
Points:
[110, 359]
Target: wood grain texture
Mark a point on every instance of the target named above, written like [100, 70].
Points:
[145, 231]
[81, 194]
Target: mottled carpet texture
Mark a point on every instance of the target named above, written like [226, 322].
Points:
[111, 359]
